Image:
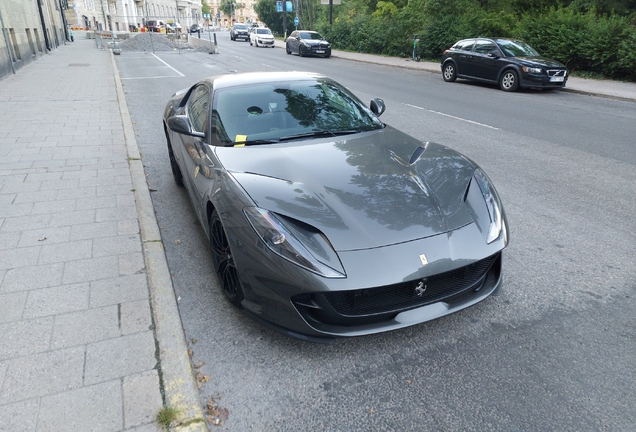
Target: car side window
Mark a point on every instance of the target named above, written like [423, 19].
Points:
[484, 47]
[198, 107]
[465, 45]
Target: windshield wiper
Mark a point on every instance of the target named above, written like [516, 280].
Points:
[317, 134]
[251, 142]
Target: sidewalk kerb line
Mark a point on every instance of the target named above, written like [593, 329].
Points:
[178, 379]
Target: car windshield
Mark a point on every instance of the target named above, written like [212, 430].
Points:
[274, 112]
[263, 31]
[308, 35]
[240, 27]
[516, 48]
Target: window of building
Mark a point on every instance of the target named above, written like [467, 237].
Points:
[30, 38]
[16, 49]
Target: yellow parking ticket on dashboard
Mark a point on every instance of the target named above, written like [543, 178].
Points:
[240, 138]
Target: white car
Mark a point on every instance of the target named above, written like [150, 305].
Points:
[260, 36]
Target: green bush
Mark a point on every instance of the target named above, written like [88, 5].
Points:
[584, 41]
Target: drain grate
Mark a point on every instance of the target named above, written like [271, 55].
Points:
[79, 64]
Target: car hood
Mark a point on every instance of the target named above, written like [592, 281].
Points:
[362, 191]
[541, 61]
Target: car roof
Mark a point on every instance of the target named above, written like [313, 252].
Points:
[232, 80]
[495, 39]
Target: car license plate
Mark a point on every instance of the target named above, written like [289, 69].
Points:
[320, 51]
[556, 79]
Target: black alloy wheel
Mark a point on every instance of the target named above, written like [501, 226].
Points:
[449, 72]
[224, 267]
[509, 81]
[176, 171]
[301, 50]
[287, 49]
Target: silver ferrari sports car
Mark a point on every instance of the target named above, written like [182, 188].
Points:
[323, 221]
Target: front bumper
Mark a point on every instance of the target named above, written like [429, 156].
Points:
[554, 79]
[380, 292]
[318, 51]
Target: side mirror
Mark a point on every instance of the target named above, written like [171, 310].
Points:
[494, 54]
[181, 124]
[377, 106]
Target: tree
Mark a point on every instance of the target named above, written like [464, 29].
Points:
[266, 11]
[229, 7]
[205, 8]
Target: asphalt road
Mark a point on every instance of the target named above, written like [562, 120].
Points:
[555, 351]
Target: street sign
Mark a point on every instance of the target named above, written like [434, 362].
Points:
[279, 6]
[296, 21]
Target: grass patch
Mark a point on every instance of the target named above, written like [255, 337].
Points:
[167, 416]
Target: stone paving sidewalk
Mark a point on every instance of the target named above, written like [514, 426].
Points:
[79, 346]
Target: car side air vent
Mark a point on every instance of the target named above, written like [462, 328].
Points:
[417, 153]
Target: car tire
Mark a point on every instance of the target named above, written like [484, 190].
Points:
[301, 50]
[449, 73]
[174, 166]
[251, 42]
[224, 267]
[509, 81]
[287, 50]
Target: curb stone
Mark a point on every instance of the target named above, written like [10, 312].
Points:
[178, 382]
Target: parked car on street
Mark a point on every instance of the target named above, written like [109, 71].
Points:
[155, 26]
[511, 63]
[260, 36]
[322, 220]
[306, 43]
[195, 28]
[240, 31]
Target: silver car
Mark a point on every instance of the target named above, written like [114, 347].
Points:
[323, 221]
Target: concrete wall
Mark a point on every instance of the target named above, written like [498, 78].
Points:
[31, 28]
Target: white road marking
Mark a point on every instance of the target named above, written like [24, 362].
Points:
[269, 66]
[180, 74]
[452, 116]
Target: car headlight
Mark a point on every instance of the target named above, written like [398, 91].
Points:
[493, 205]
[298, 243]
[531, 70]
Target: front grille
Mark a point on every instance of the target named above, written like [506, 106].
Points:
[404, 295]
[375, 304]
[556, 72]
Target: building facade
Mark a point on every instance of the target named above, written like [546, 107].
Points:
[30, 28]
[243, 13]
[131, 15]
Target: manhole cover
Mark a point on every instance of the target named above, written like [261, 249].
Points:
[79, 64]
